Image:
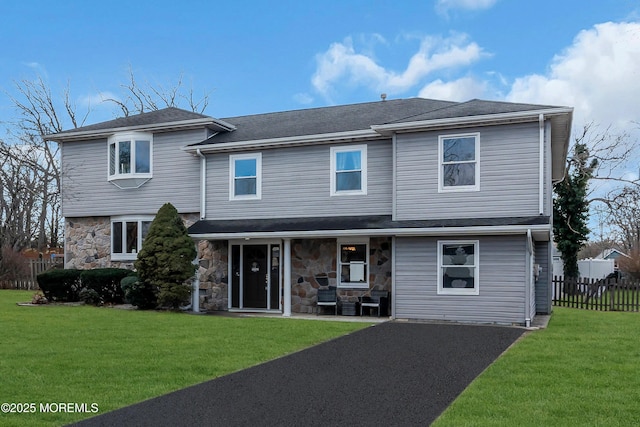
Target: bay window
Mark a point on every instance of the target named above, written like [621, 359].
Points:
[130, 159]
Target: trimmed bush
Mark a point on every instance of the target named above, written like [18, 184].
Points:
[60, 285]
[139, 294]
[165, 261]
[106, 282]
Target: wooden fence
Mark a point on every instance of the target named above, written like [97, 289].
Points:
[35, 267]
[597, 294]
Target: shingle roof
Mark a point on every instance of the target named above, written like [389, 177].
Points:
[474, 107]
[165, 115]
[341, 118]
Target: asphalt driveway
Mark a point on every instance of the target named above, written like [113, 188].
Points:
[394, 373]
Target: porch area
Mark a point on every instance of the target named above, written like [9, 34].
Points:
[281, 277]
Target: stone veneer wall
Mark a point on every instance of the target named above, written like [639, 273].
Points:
[88, 242]
[213, 273]
[313, 265]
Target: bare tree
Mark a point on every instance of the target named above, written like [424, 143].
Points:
[30, 175]
[141, 98]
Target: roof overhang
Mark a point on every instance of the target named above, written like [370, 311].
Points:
[211, 123]
[540, 232]
[323, 138]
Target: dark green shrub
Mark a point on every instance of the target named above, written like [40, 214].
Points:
[60, 285]
[90, 296]
[166, 259]
[106, 282]
[138, 294]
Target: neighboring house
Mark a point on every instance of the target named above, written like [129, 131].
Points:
[446, 205]
[613, 254]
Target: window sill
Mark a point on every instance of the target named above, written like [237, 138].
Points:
[458, 292]
[349, 193]
[124, 257]
[353, 285]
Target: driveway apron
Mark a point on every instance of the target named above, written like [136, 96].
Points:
[394, 373]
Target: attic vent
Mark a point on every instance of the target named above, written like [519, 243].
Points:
[383, 96]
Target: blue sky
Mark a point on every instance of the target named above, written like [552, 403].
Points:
[263, 56]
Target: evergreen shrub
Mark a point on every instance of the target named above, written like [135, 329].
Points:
[60, 285]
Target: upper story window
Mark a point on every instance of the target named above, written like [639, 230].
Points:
[130, 159]
[458, 267]
[353, 263]
[245, 177]
[349, 170]
[127, 235]
[459, 162]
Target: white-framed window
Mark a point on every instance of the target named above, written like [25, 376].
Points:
[245, 176]
[458, 267]
[130, 159]
[127, 235]
[348, 170]
[353, 263]
[459, 162]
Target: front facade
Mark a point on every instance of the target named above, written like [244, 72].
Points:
[445, 205]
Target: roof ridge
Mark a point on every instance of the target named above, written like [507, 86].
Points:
[453, 104]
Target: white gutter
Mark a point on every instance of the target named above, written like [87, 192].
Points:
[203, 184]
[484, 120]
[322, 138]
[401, 232]
[541, 164]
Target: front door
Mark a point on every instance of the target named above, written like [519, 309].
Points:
[255, 281]
[255, 276]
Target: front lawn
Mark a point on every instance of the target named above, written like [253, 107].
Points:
[113, 358]
[584, 370]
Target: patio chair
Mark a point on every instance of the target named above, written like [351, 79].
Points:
[376, 299]
[327, 298]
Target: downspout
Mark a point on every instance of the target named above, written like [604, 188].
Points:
[394, 177]
[203, 184]
[528, 277]
[541, 164]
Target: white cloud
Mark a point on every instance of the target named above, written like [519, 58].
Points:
[442, 6]
[460, 90]
[598, 75]
[341, 65]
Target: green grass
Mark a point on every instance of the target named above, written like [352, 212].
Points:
[584, 370]
[118, 357]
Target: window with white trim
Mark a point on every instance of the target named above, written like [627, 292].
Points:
[458, 162]
[348, 170]
[245, 176]
[353, 263]
[130, 159]
[458, 267]
[127, 236]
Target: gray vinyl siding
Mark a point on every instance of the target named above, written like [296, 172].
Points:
[176, 179]
[295, 183]
[509, 175]
[543, 285]
[501, 274]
